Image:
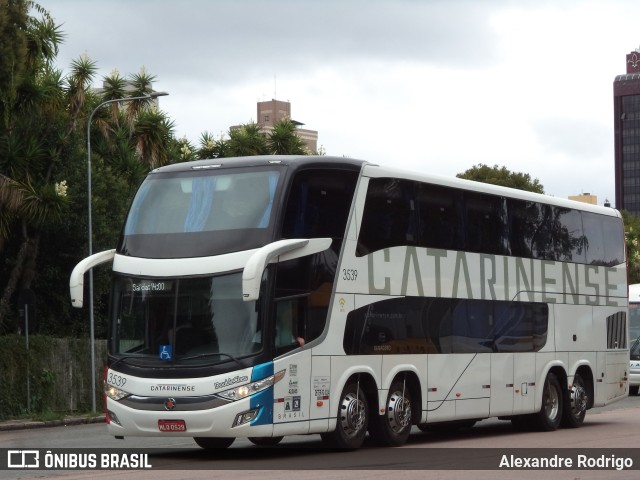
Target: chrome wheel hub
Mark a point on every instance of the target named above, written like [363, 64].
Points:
[398, 412]
[352, 414]
[578, 399]
[552, 403]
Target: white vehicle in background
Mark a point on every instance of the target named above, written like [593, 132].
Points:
[634, 338]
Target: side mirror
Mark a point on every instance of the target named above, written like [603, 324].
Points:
[281, 250]
[76, 282]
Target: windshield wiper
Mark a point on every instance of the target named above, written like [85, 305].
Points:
[193, 357]
[205, 355]
[124, 357]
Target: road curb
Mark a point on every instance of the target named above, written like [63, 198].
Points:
[67, 421]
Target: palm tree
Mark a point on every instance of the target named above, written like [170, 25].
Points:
[248, 139]
[29, 206]
[42, 144]
[139, 84]
[32, 139]
[152, 133]
[82, 72]
[283, 139]
[211, 147]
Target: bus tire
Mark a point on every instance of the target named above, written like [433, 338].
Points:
[265, 441]
[550, 414]
[394, 426]
[633, 390]
[353, 419]
[212, 443]
[576, 405]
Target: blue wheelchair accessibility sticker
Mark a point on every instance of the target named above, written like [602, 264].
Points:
[166, 352]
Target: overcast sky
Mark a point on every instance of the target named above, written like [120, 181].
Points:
[431, 85]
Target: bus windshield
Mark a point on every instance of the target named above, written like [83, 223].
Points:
[203, 203]
[200, 213]
[185, 320]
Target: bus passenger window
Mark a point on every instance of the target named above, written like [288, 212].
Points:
[440, 215]
[318, 204]
[389, 218]
[485, 221]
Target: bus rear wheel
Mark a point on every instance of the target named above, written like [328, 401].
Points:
[550, 414]
[394, 426]
[211, 443]
[576, 405]
[353, 419]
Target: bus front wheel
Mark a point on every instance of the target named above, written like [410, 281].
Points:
[352, 421]
[550, 414]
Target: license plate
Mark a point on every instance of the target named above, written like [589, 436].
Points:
[172, 426]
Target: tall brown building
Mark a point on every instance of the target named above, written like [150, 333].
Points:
[626, 121]
[272, 111]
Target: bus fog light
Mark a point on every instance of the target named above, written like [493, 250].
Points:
[114, 418]
[245, 417]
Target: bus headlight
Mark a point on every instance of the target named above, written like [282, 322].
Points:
[238, 393]
[114, 393]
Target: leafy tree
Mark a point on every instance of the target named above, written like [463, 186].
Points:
[43, 121]
[33, 143]
[502, 176]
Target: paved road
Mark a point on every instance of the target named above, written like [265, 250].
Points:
[303, 457]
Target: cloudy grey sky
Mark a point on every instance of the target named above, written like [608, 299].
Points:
[430, 85]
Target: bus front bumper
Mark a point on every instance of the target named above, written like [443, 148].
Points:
[235, 419]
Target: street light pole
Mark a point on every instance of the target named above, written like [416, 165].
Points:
[91, 317]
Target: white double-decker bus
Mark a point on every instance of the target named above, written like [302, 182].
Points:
[268, 296]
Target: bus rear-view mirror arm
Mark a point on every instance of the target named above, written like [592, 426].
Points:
[277, 251]
[76, 283]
